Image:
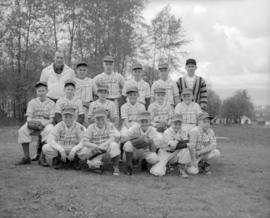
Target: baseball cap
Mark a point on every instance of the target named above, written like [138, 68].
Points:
[136, 66]
[108, 58]
[159, 90]
[41, 83]
[191, 61]
[177, 117]
[100, 112]
[187, 91]
[82, 63]
[132, 89]
[70, 82]
[204, 115]
[102, 87]
[145, 115]
[68, 109]
[163, 66]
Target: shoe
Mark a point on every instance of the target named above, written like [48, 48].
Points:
[36, 157]
[75, 164]
[57, 163]
[42, 160]
[24, 161]
[116, 172]
[183, 173]
[129, 170]
[144, 166]
[204, 167]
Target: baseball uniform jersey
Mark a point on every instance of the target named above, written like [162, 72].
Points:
[108, 105]
[40, 110]
[171, 89]
[160, 113]
[129, 111]
[115, 82]
[143, 87]
[85, 88]
[74, 102]
[188, 112]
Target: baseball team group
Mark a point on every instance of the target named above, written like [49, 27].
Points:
[85, 122]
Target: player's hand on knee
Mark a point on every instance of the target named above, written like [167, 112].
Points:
[71, 154]
[63, 155]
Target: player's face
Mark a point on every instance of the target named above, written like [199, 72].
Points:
[69, 91]
[102, 94]
[137, 74]
[108, 67]
[59, 58]
[100, 121]
[145, 123]
[204, 124]
[160, 97]
[81, 72]
[191, 68]
[163, 74]
[69, 119]
[132, 97]
[187, 98]
[177, 125]
[41, 91]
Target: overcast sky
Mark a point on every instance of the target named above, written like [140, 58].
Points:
[230, 40]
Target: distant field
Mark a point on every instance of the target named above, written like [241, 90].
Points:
[239, 186]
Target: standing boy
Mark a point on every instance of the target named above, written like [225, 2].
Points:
[172, 92]
[143, 87]
[69, 99]
[188, 109]
[195, 83]
[85, 88]
[40, 113]
[114, 81]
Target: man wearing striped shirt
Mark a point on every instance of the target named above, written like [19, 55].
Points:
[194, 82]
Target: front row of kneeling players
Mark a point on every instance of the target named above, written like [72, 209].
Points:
[140, 137]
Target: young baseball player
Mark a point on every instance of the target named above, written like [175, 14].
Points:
[161, 112]
[69, 99]
[85, 87]
[63, 139]
[130, 110]
[100, 141]
[40, 110]
[140, 143]
[188, 109]
[172, 93]
[174, 149]
[143, 87]
[103, 102]
[195, 83]
[114, 81]
[202, 145]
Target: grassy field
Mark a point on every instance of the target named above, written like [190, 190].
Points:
[238, 187]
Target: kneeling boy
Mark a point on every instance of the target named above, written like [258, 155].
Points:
[202, 145]
[140, 142]
[64, 138]
[99, 140]
[174, 150]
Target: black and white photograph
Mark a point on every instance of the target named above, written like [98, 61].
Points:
[134, 109]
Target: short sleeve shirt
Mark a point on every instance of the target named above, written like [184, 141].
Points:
[109, 106]
[130, 112]
[40, 110]
[85, 88]
[74, 102]
[160, 113]
[189, 112]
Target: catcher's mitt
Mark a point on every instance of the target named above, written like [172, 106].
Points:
[35, 125]
[140, 143]
[181, 144]
[96, 153]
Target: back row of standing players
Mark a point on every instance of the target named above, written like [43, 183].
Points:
[164, 100]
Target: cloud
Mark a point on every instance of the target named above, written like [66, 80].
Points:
[230, 40]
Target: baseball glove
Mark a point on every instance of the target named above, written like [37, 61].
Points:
[96, 153]
[140, 143]
[181, 144]
[35, 125]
